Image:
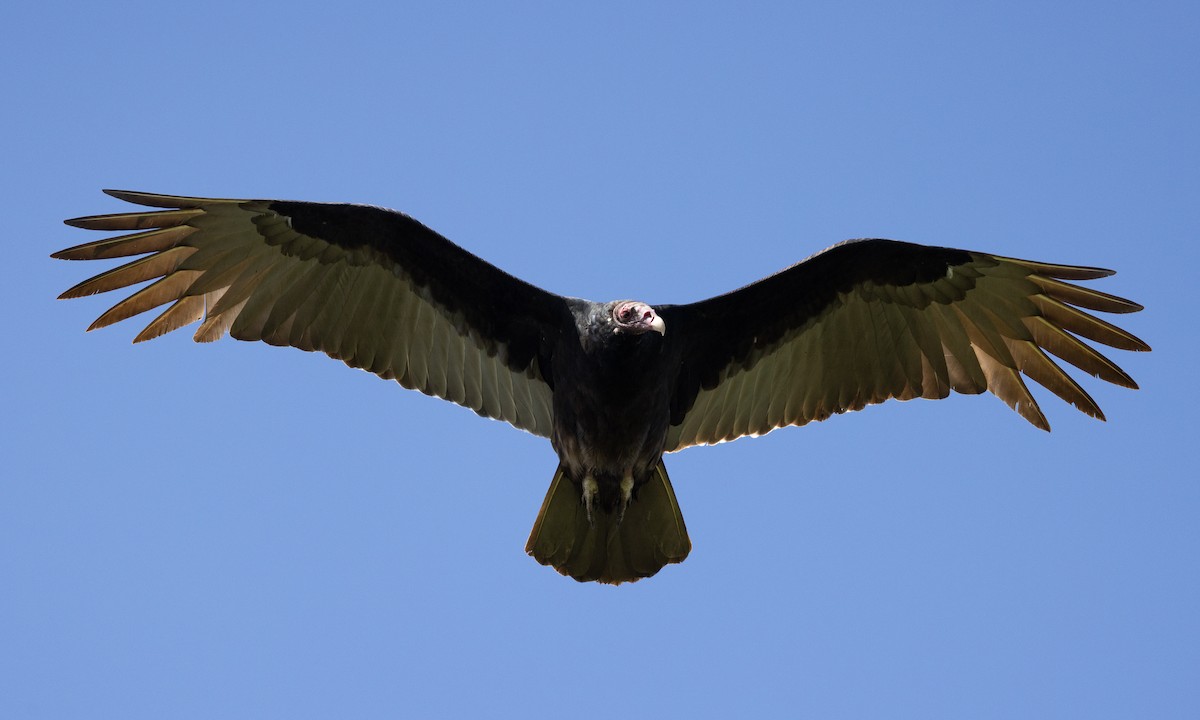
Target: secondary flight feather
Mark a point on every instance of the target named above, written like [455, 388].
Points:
[613, 385]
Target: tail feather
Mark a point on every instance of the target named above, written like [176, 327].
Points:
[650, 535]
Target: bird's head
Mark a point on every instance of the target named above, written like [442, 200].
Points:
[630, 317]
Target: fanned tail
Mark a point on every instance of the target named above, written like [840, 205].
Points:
[650, 535]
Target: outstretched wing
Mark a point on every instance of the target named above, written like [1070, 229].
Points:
[869, 320]
[368, 286]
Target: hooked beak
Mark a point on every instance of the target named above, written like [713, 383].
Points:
[657, 325]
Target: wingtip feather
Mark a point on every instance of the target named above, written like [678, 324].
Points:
[160, 200]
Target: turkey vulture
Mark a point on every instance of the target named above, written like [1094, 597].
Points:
[613, 385]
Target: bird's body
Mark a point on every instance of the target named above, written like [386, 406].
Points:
[611, 421]
[613, 385]
[610, 430]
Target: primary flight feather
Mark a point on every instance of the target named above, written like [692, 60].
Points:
[613, 385]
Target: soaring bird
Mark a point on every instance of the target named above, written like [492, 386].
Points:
[613, 385]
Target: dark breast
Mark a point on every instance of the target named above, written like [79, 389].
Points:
[611, 406]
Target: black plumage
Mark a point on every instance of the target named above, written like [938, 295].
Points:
[613, 385]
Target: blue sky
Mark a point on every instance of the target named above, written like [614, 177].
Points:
[233, 530]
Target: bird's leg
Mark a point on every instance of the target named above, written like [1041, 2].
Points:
[591, 488]
[626, 496]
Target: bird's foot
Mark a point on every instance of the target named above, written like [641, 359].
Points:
[591, 489]
[626, 496]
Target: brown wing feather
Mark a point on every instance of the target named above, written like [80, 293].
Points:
[868, 321]
[367, 286]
